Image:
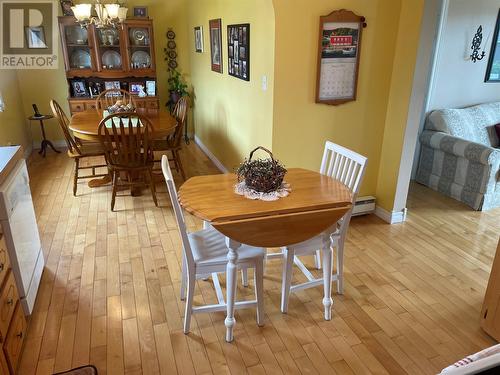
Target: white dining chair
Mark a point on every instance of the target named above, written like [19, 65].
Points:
[204, 253]
[348, 167]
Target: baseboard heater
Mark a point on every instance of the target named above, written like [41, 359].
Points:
[364, 205]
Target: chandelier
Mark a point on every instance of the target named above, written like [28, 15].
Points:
[107, 14]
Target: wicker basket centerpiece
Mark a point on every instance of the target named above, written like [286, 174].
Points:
[261, 175]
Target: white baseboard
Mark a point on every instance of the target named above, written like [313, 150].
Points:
[211, 156]
[392, 217]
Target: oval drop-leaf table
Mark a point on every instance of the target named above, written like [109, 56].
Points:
[315, 203]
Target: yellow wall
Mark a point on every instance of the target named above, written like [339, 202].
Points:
[232, 116]
[301, 126]
[397, 110]
[39, 86]
[13, 129]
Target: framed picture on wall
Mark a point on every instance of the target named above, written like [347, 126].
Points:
[339, 47]
[140, 12]
[215, 27]
[493, 69]
[238, 51]
[198, 39]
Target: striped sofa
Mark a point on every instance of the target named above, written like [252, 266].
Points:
[460, 155]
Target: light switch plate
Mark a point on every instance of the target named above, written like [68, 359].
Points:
[264, 83]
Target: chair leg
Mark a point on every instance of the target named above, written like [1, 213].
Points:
[259, 290]
[191, 281]
[244, 276]
[75, 176]
[340, 267]
[286, 281]
[183, 278]
[152, 187]
[113, 192]
[327, 282]
[179, 164]
[317, 259]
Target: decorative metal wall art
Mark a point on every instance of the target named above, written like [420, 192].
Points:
[171, 50]
[476, 45]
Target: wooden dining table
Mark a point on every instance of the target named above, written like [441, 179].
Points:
[85, 126]
[315, 203]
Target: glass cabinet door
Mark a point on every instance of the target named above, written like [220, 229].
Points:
[109, 53]
[139, 45]
[77, 48]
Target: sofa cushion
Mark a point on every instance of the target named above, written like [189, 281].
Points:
[476, 123]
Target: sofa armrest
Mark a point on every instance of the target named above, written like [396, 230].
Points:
[475, 152]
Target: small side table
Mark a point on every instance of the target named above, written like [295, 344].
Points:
[45, 141]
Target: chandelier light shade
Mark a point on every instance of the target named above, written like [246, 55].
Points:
[112, 10]
[107, 14]
[82, 11]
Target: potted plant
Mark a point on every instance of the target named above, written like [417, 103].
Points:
[177, 87]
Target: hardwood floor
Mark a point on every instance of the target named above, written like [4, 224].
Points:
[110, 291]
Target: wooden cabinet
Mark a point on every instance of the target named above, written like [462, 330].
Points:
[8, 300]
[78, 48]
[108, 52]
[139, 44]
[15, 338]
[490, 313]
[99, 58]
[12, 321]
[80, 105]
[4, 261]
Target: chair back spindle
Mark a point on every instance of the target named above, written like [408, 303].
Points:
[179, 216]
[348, 167]
[343, 165]
[179, 112]
[126, 139]
[64, 124]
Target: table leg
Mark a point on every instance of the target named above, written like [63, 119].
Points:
[49, 143]
[327, 281]
[45, 142]
[98, 182]
[231, 279]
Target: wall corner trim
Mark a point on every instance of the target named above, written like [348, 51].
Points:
[392, 217]
[210, 155]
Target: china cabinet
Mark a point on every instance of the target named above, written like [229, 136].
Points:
[97, 59]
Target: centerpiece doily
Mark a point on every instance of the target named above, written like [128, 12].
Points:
[242, 189]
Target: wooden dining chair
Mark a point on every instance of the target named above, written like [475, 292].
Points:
[205, 253]
[348, 167]
[174, 141]
[109, 97]
[77, 150]
[126, 140]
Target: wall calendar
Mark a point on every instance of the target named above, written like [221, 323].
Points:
[338, 57]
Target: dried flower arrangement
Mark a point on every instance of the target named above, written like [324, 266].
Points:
[261, 175]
